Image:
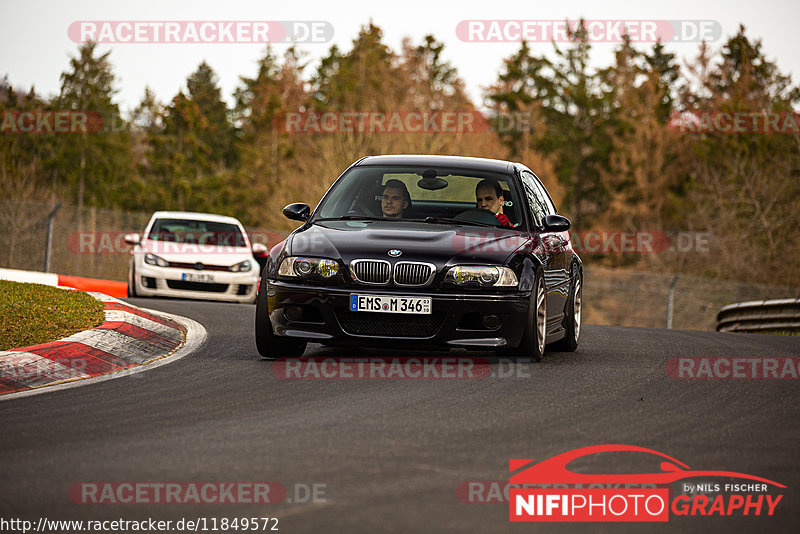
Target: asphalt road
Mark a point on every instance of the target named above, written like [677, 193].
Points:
[389, 455]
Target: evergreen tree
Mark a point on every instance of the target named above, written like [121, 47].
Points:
[95, 164]
[667, 73]
[642, 175]
[189, 144]
[571, 109]
[743, 187]
[363, 78]
[268, 152]
[212, 127]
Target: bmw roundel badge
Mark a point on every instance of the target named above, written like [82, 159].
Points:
[395, 252]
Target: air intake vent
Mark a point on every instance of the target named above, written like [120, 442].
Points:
[389, 324]
[197, 286]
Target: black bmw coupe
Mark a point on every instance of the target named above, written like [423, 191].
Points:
[424, 252]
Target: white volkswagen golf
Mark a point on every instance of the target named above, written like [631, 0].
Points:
[193, 255]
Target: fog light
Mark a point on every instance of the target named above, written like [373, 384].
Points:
[293, 313]
[243, 289]
[490, 321]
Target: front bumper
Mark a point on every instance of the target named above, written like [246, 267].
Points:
[322, 314]
[154, 281]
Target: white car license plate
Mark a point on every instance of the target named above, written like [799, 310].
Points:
[196, 277]
[390, 304]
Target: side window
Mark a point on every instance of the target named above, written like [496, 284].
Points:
[533, 196]
[544, 197]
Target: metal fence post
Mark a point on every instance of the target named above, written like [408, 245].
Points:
[670, 301]
[49, 244]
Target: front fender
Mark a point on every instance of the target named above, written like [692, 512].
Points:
[528, 274]
[271, 266]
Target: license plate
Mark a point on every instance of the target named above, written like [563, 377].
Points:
[390, 304]
[196, 277]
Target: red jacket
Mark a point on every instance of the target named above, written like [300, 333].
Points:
[503, 220]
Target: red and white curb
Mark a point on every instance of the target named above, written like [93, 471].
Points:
[130, 340]
[107, 287]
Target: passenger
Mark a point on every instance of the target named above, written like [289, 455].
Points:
[395, 199]
[489, 196]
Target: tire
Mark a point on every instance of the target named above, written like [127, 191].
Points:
[534, 336]
[572, 322]
[131, 283]
[268, 344]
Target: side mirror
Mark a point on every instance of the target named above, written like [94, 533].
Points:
[556, 223]
[133, 239]
[297, 211]
[259, 249]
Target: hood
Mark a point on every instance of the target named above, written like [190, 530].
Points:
[441, 244]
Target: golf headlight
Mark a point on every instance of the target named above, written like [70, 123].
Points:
[300, 266]
[152, 259]
[242, 267]
[484, 275]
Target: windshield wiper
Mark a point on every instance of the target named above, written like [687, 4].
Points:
[447, 220]
[352, 218]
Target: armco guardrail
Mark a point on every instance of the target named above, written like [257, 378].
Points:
[763, 316]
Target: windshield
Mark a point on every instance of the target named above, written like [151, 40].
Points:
[197, 232]
[438, 194]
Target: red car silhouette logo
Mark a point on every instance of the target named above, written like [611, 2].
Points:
[554, 470]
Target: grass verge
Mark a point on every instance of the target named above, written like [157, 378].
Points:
[32, 313]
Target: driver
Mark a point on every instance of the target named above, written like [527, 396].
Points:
[395, 199]
[489, 196]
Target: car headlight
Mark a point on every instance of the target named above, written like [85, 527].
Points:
[152, 259]
[484, 275]
[295, 266]
[242, 267]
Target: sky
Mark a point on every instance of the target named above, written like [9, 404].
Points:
[36, 40]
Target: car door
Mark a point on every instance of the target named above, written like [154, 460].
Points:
[556, 251]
